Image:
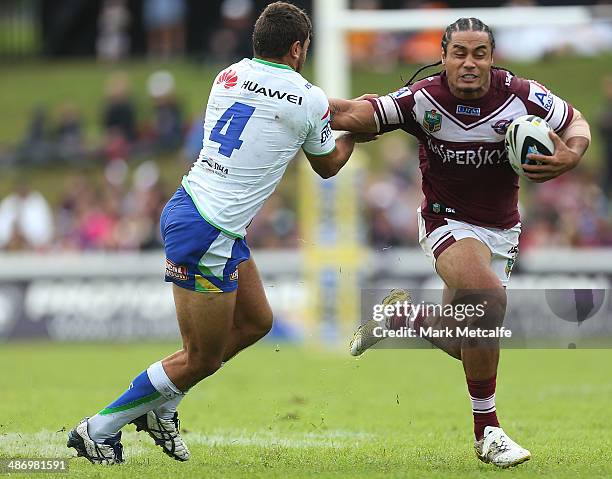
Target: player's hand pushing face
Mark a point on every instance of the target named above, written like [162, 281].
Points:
[564, 159]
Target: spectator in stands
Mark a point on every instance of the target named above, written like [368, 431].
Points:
[570, 211]
[193, 140]
[167, 121]
[118, 118]
[26, 220]
[113, 42]
[35, 147]
[392, 196]
[68, 134]
[605, 128]
[275, 225]
[232, 40]
[164, 21]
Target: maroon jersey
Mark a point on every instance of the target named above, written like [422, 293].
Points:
[466, 174]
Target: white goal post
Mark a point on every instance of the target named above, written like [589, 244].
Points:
[333, 19]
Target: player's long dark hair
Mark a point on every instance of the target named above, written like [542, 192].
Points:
[461, 25]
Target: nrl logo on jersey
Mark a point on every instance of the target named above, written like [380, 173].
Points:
[432, 121]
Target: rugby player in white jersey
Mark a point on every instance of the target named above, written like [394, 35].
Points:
[469, 222]
[260, 112]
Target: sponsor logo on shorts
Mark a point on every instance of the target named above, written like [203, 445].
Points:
[176, 271]
[510, 264]
[432, 121]
[501, 126]
[468, 110]
[234, 276]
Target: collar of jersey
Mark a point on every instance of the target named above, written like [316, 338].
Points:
[272, 64]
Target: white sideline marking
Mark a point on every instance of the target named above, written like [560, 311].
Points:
[53, 444]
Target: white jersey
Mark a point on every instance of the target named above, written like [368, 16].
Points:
[259, 115]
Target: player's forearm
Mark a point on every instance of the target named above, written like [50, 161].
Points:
[356, 116]
[578, 145]
[344, 148]
[577, 135]
[337, 159]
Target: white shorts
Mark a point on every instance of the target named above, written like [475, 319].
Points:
[435, 237]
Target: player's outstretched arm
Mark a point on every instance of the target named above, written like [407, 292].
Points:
[569, 150]
[329, 165]
[356, 116]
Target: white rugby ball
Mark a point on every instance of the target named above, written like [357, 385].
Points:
[527, 134]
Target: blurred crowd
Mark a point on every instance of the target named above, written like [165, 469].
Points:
[383, 51]
[62, 137]
[118, 212]
[574, 210]
[120, 209]
[165, 25]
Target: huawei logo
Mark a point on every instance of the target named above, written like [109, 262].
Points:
[228, 78]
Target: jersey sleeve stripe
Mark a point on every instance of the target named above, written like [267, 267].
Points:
[399, 110]
[391, 110]
[555, 118]
[564, 118]
[377, 113]
[376, 120]
[383, 112]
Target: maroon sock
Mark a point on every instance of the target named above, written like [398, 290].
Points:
[417, 324]
[401, 321]
[482, 394]
[397, 322]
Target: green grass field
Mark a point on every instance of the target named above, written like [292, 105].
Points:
[283, 411]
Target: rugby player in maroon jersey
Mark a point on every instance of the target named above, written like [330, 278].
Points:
[469, 222]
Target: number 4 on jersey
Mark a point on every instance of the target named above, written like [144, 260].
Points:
[235, 117]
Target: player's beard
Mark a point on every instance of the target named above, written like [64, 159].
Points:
[470, 89]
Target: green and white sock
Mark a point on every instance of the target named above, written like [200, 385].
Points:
[148, 391]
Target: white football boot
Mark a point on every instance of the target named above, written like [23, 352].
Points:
[364, 337]
[497, 448]
[107, 453]
[165, 433]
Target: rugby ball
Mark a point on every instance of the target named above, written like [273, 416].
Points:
[527, 134]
